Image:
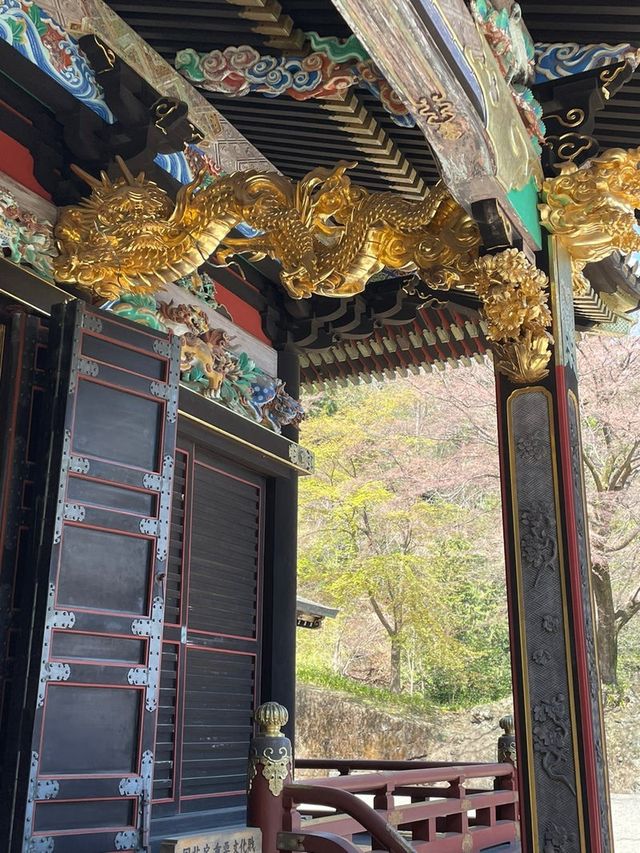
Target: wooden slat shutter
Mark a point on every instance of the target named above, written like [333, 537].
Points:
[211, 656]
[102, 562]
[168, 711]
[22, 378]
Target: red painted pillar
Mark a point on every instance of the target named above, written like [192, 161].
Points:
[559, 727]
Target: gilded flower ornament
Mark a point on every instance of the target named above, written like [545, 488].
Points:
[276, 768]
[515, 303]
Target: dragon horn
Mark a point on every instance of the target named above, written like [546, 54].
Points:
[87, 178]
[126, 172]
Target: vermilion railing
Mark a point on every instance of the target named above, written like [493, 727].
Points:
[393, 806]
[429, 808]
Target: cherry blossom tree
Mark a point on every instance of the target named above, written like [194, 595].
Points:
[610, 396]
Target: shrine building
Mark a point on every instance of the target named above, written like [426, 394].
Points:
[207, 206]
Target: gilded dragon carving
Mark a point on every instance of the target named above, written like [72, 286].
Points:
[329, 236]
[591, 208]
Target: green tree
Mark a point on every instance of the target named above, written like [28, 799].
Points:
[391, 542]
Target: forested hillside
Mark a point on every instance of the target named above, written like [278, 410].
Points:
[401, 529]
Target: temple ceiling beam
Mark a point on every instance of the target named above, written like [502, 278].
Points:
[445, 73]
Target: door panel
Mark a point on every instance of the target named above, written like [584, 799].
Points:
[210, 652]
[217, 721]
[103, 562]
[22, 378]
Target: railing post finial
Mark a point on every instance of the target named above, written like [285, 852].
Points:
[268, 771]
[271, 717]
[507, 741]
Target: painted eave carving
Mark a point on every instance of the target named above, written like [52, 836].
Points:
[462, 108]
[211, 361]
[554, 61]
[38, 36]
[222, 144]
[334, 67]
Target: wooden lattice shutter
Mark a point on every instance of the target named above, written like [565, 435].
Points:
[22, 377]
[88, 731]
[211, 646]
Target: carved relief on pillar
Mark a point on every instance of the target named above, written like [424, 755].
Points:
[560, 726]
[588, 607]
[550, 713]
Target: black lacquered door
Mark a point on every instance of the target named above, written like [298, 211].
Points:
[22, 374]
[102, 568]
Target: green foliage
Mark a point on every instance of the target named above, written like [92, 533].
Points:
[401, 529]
[377, 696]
[397, 550]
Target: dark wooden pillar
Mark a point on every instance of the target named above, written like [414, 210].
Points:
[279, 609]
[559, 725]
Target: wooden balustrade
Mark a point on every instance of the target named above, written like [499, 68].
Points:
[393, 806]
[345, 766]
[437, 809]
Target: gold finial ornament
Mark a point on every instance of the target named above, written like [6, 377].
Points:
[271, 717]
[507, 741]
[515, 304]
[270, 752]
[507, 724]
[591, 208]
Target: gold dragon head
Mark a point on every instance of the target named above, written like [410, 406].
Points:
[115, 240]
[616, 174]
[612, 178]
[591, 208]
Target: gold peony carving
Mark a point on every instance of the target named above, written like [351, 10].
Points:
[515, 304]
